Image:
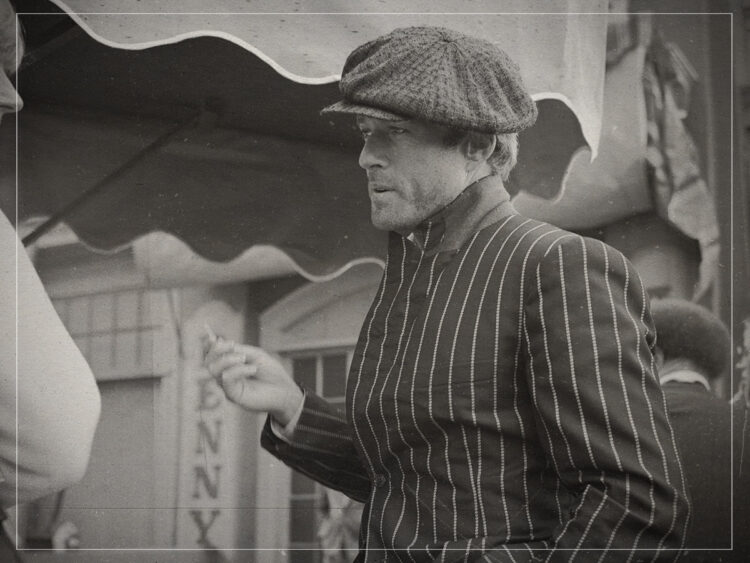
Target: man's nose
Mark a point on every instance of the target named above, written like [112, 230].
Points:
[372, 154]
[10, 101]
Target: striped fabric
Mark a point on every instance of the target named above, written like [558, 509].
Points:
[502, 403]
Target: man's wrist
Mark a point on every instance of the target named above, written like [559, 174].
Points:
[285, 431]
[292, 407]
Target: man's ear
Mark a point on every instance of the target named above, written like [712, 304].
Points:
[478, 147]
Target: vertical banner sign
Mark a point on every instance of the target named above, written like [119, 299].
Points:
[209, 472]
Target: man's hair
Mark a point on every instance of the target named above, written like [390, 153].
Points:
[685, 330]
[11, 40]
[503, 158]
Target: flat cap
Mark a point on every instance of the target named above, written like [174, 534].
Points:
[438, 75]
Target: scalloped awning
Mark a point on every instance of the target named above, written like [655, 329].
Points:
[269, 170]
[560, 48]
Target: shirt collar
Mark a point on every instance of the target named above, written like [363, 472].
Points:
[482, 203]
[685, 376]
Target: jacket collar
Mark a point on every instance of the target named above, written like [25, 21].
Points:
[482, 203]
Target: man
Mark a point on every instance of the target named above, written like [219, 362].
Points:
[501, 403]
[49, 401]
[693, 349]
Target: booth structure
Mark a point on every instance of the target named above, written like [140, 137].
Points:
[190, 181]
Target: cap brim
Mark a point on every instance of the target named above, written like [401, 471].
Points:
[356, 109]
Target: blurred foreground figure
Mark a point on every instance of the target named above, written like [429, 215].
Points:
[501, 403]
[693, 349]
[49, 401]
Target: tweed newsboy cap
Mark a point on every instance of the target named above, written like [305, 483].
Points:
[438, 75]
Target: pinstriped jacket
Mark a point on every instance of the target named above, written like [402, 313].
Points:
[502, 403]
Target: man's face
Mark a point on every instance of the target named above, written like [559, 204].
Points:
[411, 173]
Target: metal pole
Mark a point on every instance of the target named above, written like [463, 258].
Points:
[104, 182]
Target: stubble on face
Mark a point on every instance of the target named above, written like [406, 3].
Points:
[402, 207]
[411, 173]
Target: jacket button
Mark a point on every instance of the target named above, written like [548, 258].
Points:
[379, 479]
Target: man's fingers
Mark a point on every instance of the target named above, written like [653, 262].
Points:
[241, 371]
[218, 349]
[224, 362]
[253, 353]
[235, 380]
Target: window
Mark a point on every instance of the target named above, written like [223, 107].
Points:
[119, 332]
[323, 372]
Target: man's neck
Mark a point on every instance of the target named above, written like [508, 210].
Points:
[480, 204]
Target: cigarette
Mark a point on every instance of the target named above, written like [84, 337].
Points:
[210, 333]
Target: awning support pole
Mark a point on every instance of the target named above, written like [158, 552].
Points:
[57, 217]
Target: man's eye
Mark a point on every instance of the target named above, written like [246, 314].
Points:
[397, 130]
[365, 133]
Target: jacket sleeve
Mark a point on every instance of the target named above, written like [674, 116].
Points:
[600, 412]
[321, 447]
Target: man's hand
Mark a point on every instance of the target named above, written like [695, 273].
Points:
[252, 378]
